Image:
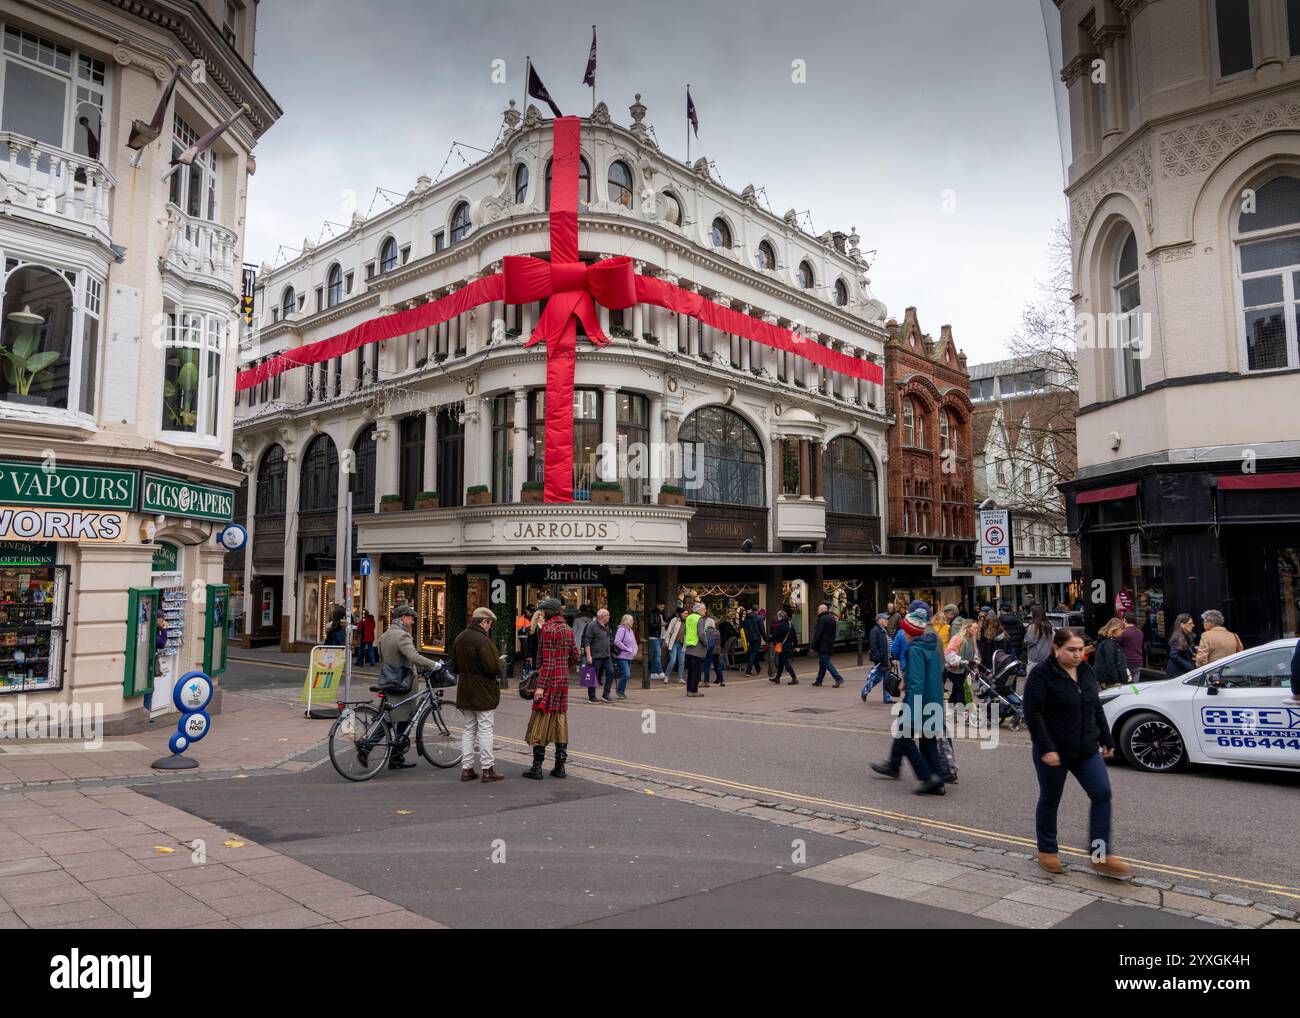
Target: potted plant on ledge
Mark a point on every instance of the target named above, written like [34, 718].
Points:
[671, 494]
[479, 494]
[606, 492]
[426, 500]
[532, 491]
[390, 503]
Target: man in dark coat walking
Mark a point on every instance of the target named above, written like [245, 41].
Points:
[478, 692]
[823, 642]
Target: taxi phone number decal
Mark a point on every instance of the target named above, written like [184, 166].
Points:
[1253, 727]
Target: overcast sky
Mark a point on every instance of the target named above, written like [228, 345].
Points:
[908, 105]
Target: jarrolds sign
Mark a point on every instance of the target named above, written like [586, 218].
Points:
[561, 530]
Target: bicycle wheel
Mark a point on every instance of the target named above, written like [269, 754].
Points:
[437, 735]
[360, 742]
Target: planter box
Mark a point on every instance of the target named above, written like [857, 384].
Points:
[606, 497]
[478, 498]
[425, 503]
[532, 495]
[390, 507]
[670, 498]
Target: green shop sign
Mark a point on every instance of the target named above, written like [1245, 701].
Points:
[85, 487]
[165, 558]
[19, 554]
[174, 497]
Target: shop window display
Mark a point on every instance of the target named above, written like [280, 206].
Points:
[433, 615]
[33, 614]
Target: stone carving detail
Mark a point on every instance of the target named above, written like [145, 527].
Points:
[127, 57]
[532, 117]
[748, 196]
[639, 129]
[600, 115]
[1197, 148]
[1131, 176]
[701, 166]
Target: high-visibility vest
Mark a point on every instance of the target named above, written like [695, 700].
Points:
[692, 630]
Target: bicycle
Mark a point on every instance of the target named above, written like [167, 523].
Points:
[363, 738]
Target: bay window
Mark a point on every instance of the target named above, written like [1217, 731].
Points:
[192, 372]
[52, 94]
[193, 187]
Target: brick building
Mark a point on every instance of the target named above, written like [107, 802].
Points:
[929, 478]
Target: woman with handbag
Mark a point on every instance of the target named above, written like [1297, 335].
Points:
[963, 644]
[548, 721]
[783, 646]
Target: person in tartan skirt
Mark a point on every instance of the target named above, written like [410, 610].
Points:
[549, 719]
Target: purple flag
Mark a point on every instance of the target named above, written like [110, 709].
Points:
[538, 91]
[590, 77]
[690, 113]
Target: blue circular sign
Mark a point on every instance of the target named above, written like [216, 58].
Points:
[178, 742]
[232, 537]
[193, 692]
[194, 726]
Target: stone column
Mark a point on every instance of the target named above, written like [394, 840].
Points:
[453, 335]
[484, 447]
[638, 310]
[249, 522]
[429, 477]
[805, 469]
[609, 433]
[526, 319]
[519, 469]
[387, 451]
[289, 598]
[768, 354]
[655, 467]
[743, 353]
[341, 527]
[1112, 113]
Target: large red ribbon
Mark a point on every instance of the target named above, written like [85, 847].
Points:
[572, 290]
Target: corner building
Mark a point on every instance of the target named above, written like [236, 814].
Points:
[438, 435]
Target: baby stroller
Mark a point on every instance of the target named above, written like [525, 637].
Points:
[997, 685]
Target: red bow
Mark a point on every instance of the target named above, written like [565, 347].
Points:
[572, 289]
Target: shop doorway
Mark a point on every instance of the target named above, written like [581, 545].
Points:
[174, 611]
[265, 609]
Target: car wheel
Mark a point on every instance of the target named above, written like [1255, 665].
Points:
[1152, 743]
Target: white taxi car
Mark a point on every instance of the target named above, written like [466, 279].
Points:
[1236, 712]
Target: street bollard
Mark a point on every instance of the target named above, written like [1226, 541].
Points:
[645, 669]
[505, 672]
[859, 646]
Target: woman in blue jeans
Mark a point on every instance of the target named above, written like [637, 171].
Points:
[624, 652]
[1070, 736]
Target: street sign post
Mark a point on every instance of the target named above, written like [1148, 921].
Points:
[997, 550]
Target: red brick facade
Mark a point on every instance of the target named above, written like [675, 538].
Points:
[927, 391]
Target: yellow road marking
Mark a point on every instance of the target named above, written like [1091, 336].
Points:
[941, 825]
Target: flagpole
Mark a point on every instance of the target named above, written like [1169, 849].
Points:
[528, 66]
[593, 76]
[688, 123]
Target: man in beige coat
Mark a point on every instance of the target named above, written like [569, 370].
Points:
[478, 692]
[1216, 642]
[398, 660]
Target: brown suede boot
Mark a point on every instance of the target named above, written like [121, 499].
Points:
[469, 774]
[1051, 862]
[1113, 866]
[490, 774]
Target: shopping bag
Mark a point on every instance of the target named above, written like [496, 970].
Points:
[969, 694]
[587, 676]
[947, 759]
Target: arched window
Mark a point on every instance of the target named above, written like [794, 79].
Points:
[949, 430]
[460, 222]
[361, 482]
[851, 482]
[674, 213]
[36, 342]
[806, 278]
[388, 255]
[1128, 303]
[334, 285]
[721, 234]
[272, 480]
[841, 293]
[725, 455]
[913, 424]
[766, 256]
[1268, 253]
[584, 182]
[620, 184]
[288, 302]
[320, 476]
[521, 183]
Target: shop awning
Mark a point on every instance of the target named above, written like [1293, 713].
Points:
[1112, 494]
[1259, 482]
